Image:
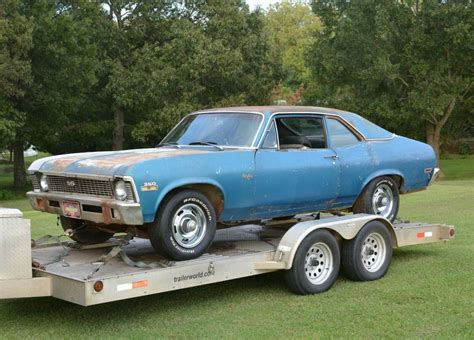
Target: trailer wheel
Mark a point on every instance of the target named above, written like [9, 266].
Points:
[84, 232]
[367, 256]
[185, 226]
[316, 264]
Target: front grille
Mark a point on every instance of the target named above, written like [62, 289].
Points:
[82, 186]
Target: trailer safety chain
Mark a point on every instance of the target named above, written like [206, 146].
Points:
[400, 220]
[58, 258]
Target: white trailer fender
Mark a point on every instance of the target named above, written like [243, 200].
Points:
[346, 227]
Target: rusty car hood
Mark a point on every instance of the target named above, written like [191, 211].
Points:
[106, 163]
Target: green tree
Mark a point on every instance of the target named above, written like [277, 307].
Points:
[291, 30]
[53, 69]
[15, 78]
[408, 65]
[208, 54]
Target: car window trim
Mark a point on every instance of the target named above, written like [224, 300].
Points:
[323, 123]
[324, 114]
[297, 114]
[225, 111]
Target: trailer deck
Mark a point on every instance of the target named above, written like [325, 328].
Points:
[122, 269]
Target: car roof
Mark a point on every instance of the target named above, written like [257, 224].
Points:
[364, 127]
[273, 109]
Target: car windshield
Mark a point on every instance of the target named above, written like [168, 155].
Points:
[222, 129]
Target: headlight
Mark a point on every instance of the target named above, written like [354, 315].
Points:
[120, 190]
[44, 183]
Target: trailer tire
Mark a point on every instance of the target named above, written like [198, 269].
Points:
[84, 232]
[185, 226]
[316, 264]
[367, 256]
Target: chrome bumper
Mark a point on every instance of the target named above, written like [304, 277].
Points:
[434, 176]
[97, 210]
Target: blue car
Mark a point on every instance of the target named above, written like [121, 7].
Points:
[232, 165]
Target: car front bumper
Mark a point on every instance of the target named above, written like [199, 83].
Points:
[94, 209]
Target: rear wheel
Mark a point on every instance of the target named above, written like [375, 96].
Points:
[380, 197]
[185, 226]
[316, 264]
[83, 232]
[367, 256]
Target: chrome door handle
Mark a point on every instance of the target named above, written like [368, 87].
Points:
[333, 157]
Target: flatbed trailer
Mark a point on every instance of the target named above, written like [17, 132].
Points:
[309, 249]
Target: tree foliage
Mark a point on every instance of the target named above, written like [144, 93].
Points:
[15, 69]
[408, 65]
[291, 30]
[81, 75]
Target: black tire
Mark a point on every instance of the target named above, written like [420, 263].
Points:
[84, 232]
[326, 272]
[367, 256]
[168, 239]
[386, 185]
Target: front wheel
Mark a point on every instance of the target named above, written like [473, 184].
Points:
[185, 226]
[316, 264]
[380, 197]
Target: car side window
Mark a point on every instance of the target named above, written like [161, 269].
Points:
[301, 133]
[270, 141]
[339, 134]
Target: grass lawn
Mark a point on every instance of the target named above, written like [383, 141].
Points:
[428, 291]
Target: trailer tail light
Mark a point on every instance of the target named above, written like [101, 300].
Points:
[98, 286]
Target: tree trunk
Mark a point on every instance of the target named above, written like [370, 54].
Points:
[433, 135]
[433, 129]
[119, 122]
[19, 174]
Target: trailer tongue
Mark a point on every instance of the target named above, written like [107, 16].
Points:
[309, 250]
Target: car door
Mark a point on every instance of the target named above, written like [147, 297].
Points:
[295, 170]
[354, 157]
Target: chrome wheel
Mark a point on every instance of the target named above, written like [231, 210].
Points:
[319, 263]
[382, 200]
[189, 225]
[374, 251]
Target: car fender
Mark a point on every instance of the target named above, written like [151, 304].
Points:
[183, 183]
[345, 227]
[380, 173]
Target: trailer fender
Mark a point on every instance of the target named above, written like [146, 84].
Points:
[345, 227]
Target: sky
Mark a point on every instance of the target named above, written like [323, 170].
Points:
[262, 3]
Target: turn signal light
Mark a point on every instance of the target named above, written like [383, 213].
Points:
[98, 286]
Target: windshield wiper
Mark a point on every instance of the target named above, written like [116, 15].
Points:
[214, 144]
[169, 144]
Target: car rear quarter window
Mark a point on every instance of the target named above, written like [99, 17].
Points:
[339, 134]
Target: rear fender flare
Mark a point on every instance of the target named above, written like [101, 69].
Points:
[345, 228]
